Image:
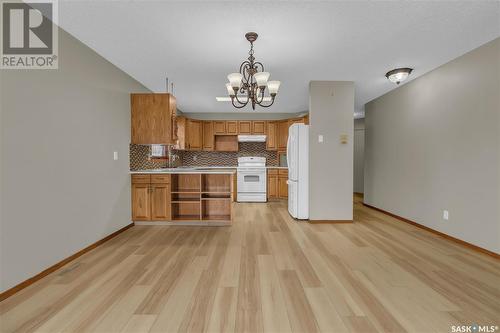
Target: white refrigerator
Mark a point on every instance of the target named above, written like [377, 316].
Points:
[297, 155]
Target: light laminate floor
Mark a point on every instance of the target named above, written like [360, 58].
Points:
[266, 273]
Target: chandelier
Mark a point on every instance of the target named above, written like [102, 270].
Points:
[251, 82]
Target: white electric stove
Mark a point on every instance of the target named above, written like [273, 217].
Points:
[252, 179]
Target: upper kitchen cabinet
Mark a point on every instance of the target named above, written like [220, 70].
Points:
[244, 127]
[258, 127]
[194, 137]
[282, 134]
[181, 132]
[208, 135]
[220, 127]
[272, 135]
[153, 118]
[189, 134]
[231, 127]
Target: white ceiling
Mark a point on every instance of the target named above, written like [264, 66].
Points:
[196, 44]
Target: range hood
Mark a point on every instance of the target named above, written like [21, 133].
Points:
[251, 138]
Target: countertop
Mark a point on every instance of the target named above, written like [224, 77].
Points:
[198, 169]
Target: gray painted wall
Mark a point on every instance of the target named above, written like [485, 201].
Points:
[434, 144]
[331, 108]
[359, 155]
[61, 189]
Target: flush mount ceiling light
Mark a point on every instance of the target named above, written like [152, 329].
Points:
[251, 81]
[398, 75]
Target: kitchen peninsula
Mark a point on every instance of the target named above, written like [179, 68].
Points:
[182, 196]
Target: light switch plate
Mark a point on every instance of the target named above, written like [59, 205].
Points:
[115, 155]
[446, 215]
[320, 138]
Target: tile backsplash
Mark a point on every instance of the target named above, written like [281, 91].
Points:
[140, 160]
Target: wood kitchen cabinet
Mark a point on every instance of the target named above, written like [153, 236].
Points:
[221, 135]
[151, 197]
[272, 184]
[160, 202]
[231, 127]
[277, 186]
[272, 135]
[153, 118]
[194, 134]
[282, 134]
[244, 127]
[141, 202]
[219, 127]
[282, 183]
[208, 135]
[258, 127]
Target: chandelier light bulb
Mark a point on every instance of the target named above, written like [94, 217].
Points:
[273, 86]
[261, 78]
[235, 79]
[230, 90]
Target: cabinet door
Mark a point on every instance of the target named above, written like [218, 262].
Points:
[219, 127]
[173, 117]
[208, 135]
[244, 127]
[272, 186]
[141, 204]
[231, 127]
[282, 187]
[151, 121]
[181, 143]
[194, 134]
[272, 135]
[258, 127]
[160, 202]
[282, 134]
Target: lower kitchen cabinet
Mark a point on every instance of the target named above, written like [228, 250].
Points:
[151, 197]
[141, 202]
[272, 186]
[277, 186]
[160, 202]
[282, 187]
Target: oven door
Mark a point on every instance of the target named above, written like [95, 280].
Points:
[252, 180]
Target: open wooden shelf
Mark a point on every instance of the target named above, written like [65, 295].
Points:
[216, 196]
[201, 197]
[186, 182]
[186, 210]
[185, 197]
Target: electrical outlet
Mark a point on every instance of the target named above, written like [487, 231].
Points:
[115, 155]
[195, 158]
[446, 215]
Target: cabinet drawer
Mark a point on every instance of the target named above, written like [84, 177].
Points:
[272, 171]
[283, 172]
[141, 179]
[160, 179]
